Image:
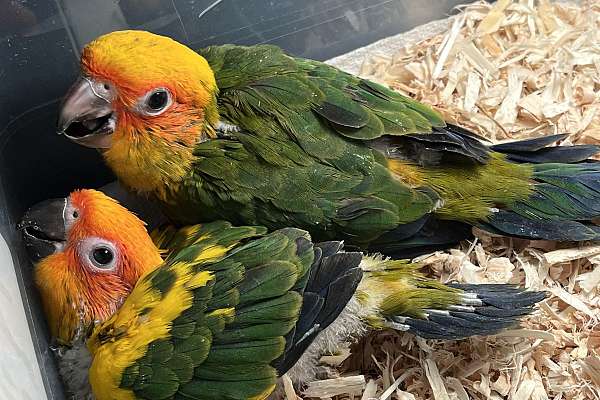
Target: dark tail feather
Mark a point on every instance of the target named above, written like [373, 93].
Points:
[512, 224]
[486, 310]
[449, 144]
[528, 145]
[535, 151]
[334, 277]
[429, 235]
[453, 144]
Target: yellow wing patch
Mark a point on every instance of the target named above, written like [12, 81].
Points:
[199, 280]
[226, 313]
[193, 235]
[163, 236]
[212, 253]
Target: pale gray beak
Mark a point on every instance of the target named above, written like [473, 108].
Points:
[86, 114]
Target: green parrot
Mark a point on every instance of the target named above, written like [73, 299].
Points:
[257, 137]
[219, 312]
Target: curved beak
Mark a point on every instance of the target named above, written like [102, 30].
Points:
[43, 228]
[86, 116]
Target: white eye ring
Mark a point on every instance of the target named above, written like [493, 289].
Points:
[98, 254]
[155, 102]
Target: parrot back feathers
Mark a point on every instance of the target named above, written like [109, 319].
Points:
[280, 86]
[320, 124]
[492, 187]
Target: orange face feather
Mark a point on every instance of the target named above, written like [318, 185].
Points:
[152, 147]
[76, 289]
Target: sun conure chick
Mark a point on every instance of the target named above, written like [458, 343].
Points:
[257, 137]
[215, 311]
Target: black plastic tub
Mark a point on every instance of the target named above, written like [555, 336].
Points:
[39, 48]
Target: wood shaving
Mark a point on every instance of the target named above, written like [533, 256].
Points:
[329, 388]
[512, 69]
[288, 387]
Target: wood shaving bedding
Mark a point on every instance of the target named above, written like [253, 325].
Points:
[512, 70]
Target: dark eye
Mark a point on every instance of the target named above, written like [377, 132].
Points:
[75, 214]
[158, 100]
[102, 256]
[98, 254]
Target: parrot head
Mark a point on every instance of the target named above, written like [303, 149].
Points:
[144, 100]
[88, 252]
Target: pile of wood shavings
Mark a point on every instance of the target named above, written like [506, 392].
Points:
[511, 70]
[516, 69]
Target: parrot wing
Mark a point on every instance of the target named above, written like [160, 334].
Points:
[270, 94]
[217, 319]
[231, 182]
[266, 93]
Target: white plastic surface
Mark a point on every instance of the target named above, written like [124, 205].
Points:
[20, 376]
